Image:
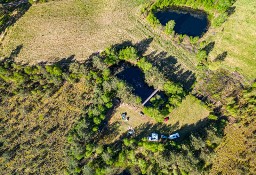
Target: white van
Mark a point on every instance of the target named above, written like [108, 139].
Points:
[174, 136]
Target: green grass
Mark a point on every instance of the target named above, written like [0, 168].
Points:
[189, 112]
[238, 40]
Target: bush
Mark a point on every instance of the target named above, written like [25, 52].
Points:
[129, 53]
[171, 88]
[152, 19]
[154, 113]
[144, 65]
[201, 56]
[220, 20]
[212, 117]
[169, 28]
[53, 70]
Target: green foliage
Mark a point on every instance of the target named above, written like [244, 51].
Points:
[169, 28]
[53, 70]
[128, 53]
[172, 88]
[154, 147]
[152, 19]
[193, 40]
[212, 117]
[201, 56]
[154, 113]
[110, 56]
[218, 21]
[144, 65]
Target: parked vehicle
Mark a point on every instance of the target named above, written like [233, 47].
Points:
[174, 136]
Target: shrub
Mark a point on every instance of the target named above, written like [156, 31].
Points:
[169, 27]
[152, 19]
[154, 113]
[220, 20]
[129, 53]
[53, 70]
[144, 65]
[212, 117]
[201, 56]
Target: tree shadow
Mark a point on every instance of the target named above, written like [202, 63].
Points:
[15, 52]
[143, 45]
[20, 8]
[231, 10]
[221, 57]
[171, 70]
[122, 45]
[209, 47]
[125, 172]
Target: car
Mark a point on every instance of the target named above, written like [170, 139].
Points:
[174, 136]
[164, 137]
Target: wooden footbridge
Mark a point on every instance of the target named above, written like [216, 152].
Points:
[150, 97]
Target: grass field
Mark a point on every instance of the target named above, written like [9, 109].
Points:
[189, 112]
[59, 29]
[238, 40]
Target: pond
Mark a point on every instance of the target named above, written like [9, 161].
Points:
[188, 22]
[135, 77]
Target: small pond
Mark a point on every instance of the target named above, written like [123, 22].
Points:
[135, 77]
[188, 22]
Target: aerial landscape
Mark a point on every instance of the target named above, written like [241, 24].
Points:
[128, 87]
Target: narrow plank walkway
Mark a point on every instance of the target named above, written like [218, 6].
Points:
[150, 97]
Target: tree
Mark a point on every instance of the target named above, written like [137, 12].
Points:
[152, 19]
[169, 28]
[201, 56]
[144, 65]
[129, 53]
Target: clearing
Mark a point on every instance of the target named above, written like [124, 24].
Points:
[187, 114]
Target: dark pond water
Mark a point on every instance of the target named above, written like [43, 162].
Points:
[187, 22]
[136, 78]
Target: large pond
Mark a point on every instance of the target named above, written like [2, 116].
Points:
[191, 23]
[136, 78]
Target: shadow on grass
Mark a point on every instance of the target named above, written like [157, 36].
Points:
[221, 57]
[12, 12]
[209, 47]
[198, 129]
[15, 52]
[173, 71]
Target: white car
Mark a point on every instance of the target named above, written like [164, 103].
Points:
[174, 136]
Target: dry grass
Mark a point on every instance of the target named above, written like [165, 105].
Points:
[237, 152]
[35, 130]
[238, 40]
[135, 119]
[60, 29]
